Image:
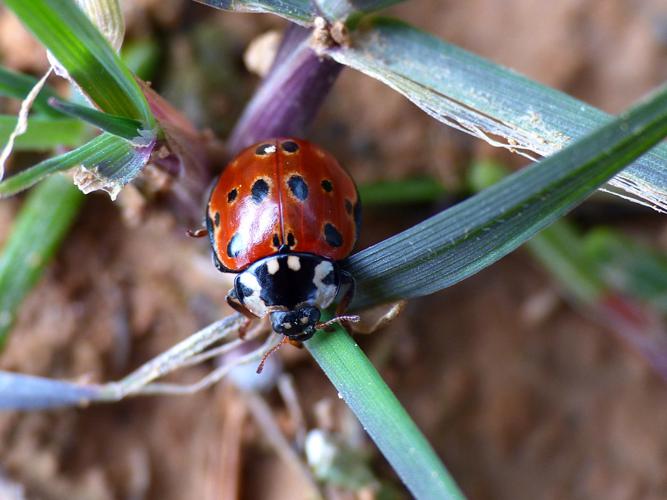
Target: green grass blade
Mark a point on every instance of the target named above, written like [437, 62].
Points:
[126, 128]
[382, 416]
[341, 10]
[77, 44]
[43, 134]
[18, 86]
[302, 11]
[470, 236]
[479, 97]
[298, 11]
[40, 226]
[106, 154]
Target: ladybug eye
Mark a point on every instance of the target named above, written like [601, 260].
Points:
[290, 146]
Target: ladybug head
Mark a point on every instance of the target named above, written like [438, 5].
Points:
[298, 324]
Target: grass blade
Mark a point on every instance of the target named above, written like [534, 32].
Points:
[126, 128]
[298, 11]
[89, 59]
[106, 155]
[43, 134]
[18, 86]
[470, 236]
[382, 416]
[341, 10]
[37, 232]
[488, 101]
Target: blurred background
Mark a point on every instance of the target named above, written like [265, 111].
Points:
[524, 386]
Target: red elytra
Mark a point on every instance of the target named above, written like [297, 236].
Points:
[282, 195]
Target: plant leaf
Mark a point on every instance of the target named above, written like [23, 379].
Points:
[479, 97]
[106, 156]
[470, 236]
[43, 133]
[382, 416]
[126, 128]
[18, 86]
[89, 59]
[302, 12]
[36, 234]
[341, 10]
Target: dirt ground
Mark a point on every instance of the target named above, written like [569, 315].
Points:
[521, 395]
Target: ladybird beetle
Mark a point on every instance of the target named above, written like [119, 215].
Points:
[281, 216]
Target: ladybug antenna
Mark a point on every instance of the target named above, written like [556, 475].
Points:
[352, 318]
[268, 353]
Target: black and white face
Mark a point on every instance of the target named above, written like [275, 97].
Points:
[299, 284]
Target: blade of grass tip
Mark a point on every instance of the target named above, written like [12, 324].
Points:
[126, 128]
[39, 228]
[470, 236]
[382, 415]
[43, 133]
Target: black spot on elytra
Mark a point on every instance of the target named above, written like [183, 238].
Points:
[290, 146]
[357, 218]
[231, 196]
[290, 240]
[259, 190]
[262, 149]
[276, 240]
[298, 187]
[348, 206]
[327, 186]
[216, 219]
[235, 246]
[332, 236]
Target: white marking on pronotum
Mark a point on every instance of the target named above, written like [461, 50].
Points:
[272, 266]
[293, 263]
[325, 293]
[270, 149]
[253, 302]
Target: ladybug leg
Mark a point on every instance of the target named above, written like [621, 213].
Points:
[197, 233]
[236, 304]
[383, 320]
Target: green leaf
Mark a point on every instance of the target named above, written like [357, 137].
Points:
[341, 10]
[107, 156]
[77, 44]
[382, 416]
[18, 86]
[126, 128]
[487, 100]
[43, 134]
[298, 11]
[35, 236]
[470, 236]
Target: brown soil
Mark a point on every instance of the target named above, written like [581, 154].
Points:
[522, 396]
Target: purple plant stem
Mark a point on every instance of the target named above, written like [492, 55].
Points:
[290, 95]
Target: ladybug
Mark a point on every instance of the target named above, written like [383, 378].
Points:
[281, 216]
